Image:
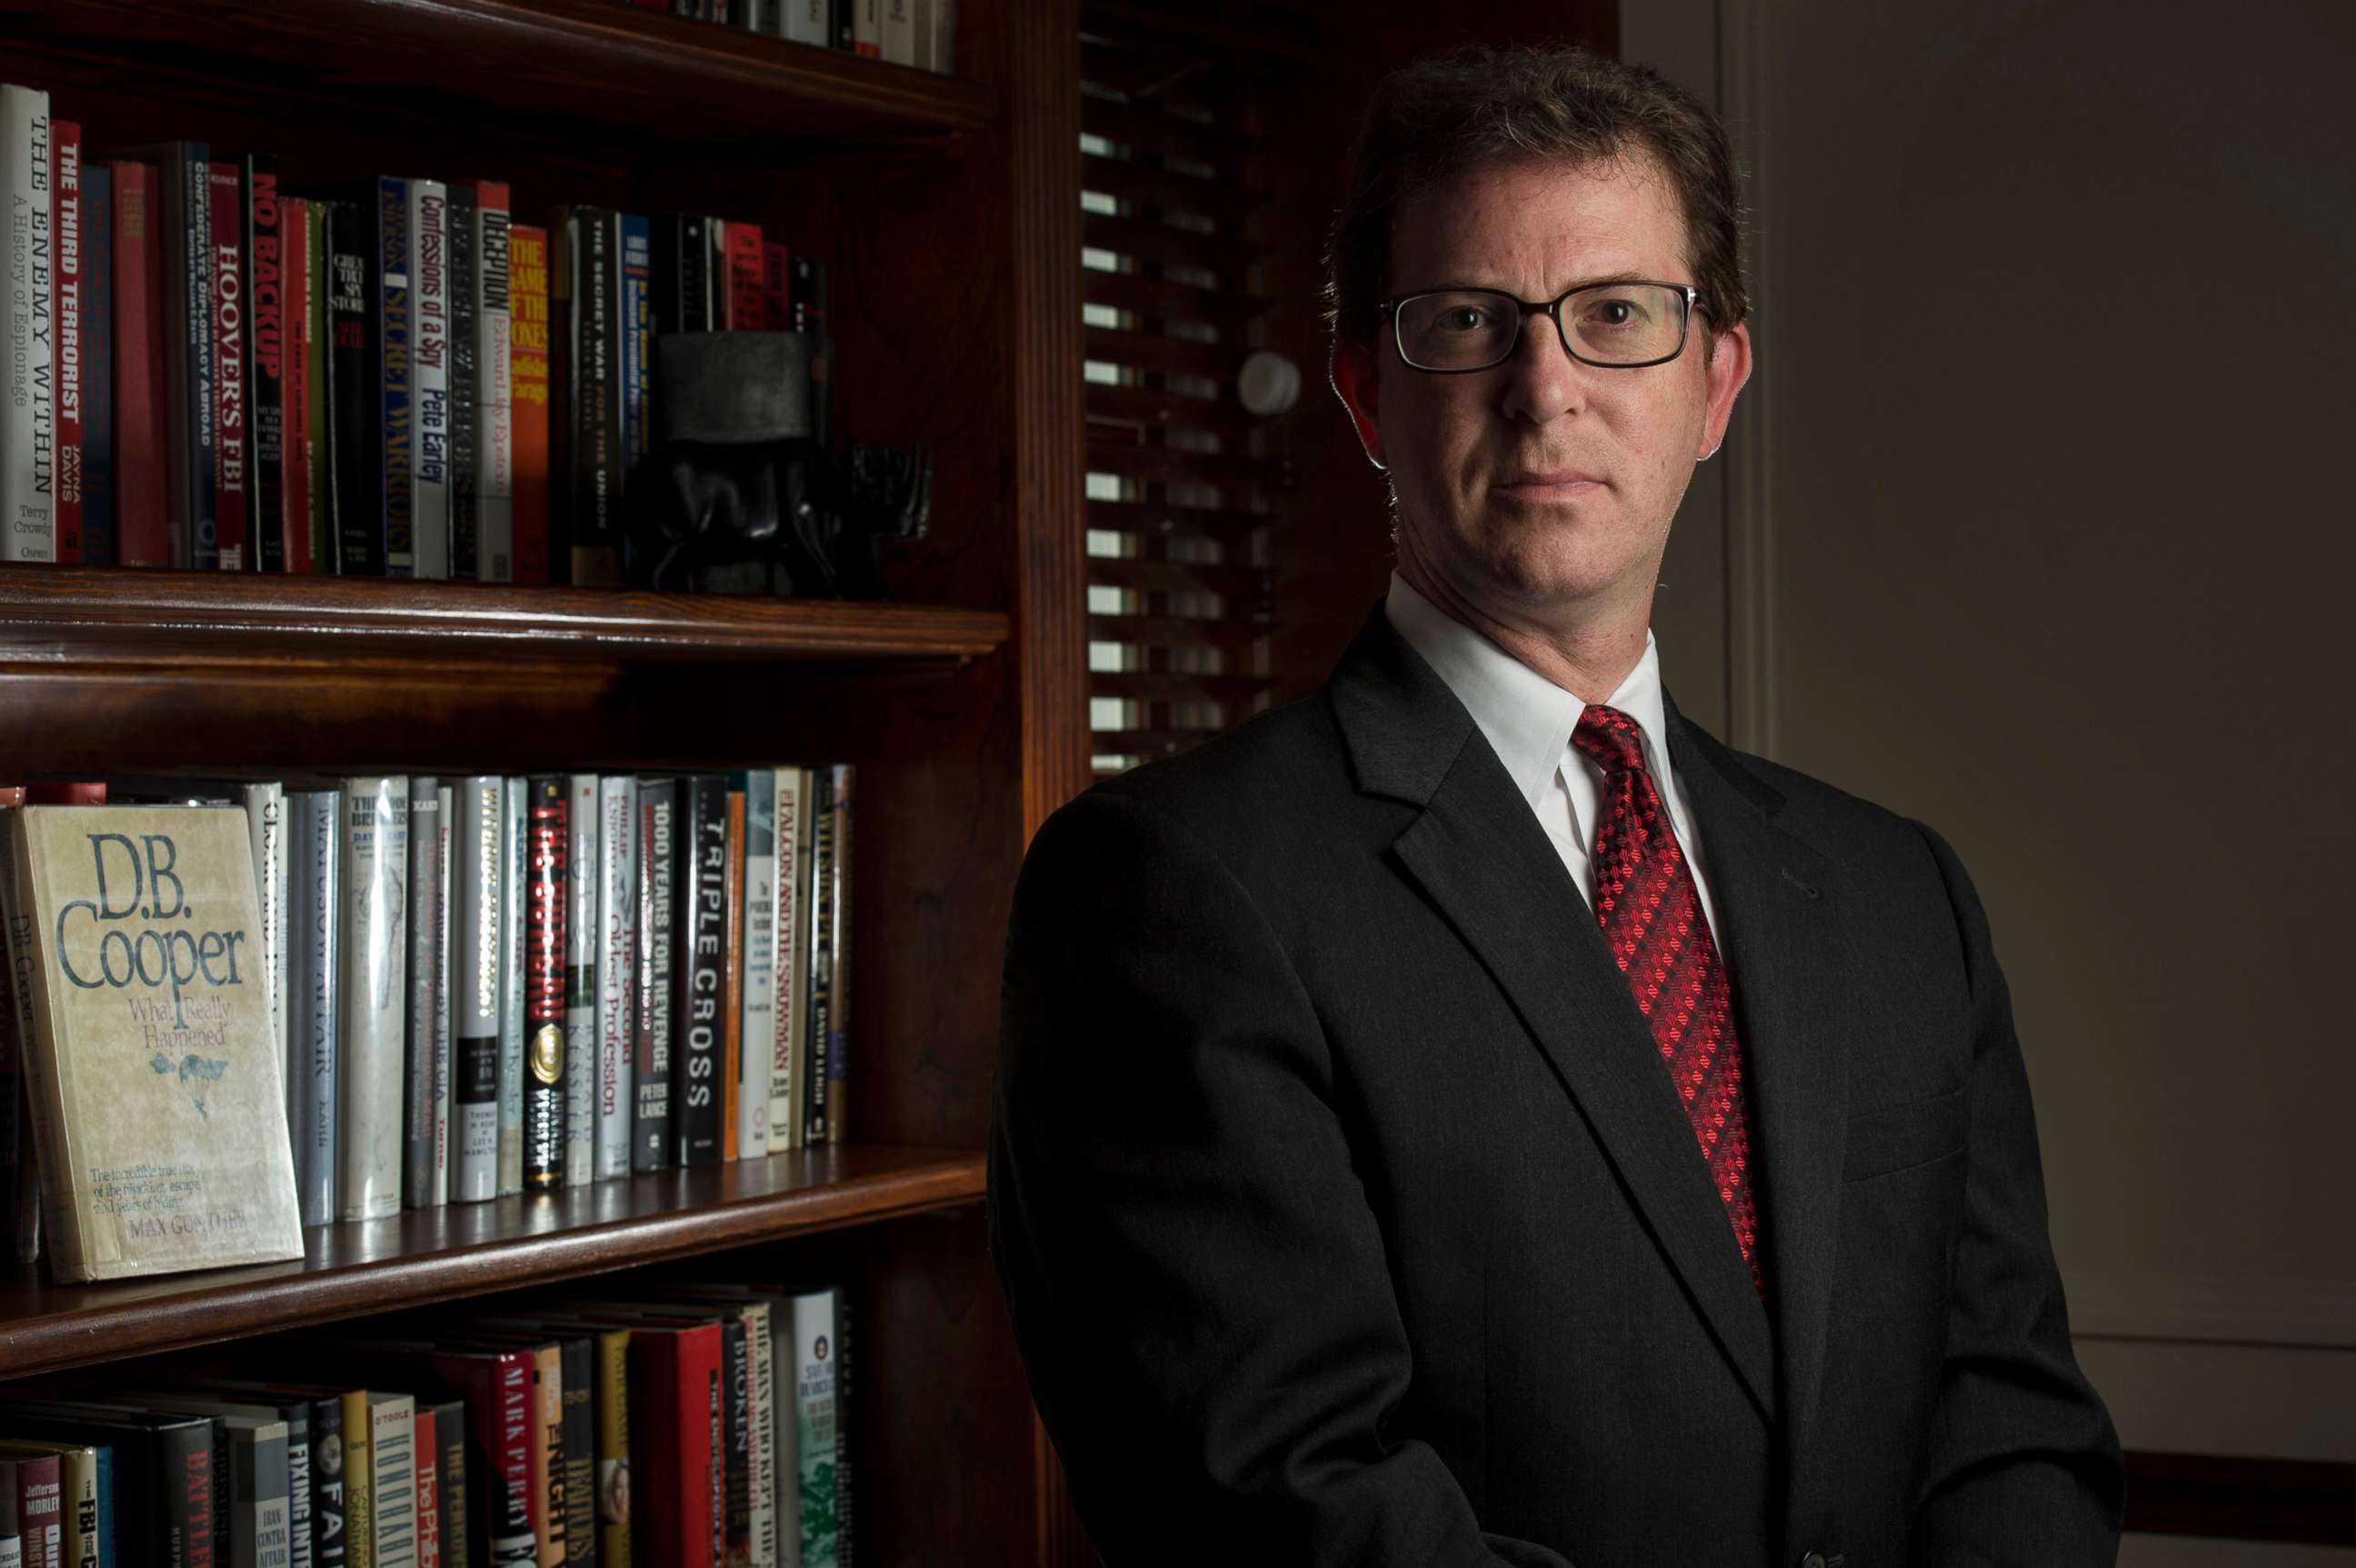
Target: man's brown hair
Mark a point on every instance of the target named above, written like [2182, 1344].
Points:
[1478, 106]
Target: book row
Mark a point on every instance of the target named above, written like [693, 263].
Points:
[674, 1425]
[450, 990]
[380, 376]
[921, 33]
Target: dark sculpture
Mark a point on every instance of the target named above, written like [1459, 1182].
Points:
[737, 498]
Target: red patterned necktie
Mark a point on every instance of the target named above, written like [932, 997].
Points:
[1652, 915]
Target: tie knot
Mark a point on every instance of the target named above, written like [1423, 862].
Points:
[1612, 738]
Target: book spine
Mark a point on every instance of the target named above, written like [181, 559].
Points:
[446, 996]
[547, 1116]
[391, 1449]
[748, 297]
[494, 387]
[397, 379]
[867, 28]
[12, 1529]
[188, 359]
[297, 280]
[299, 1552]
[698, 971]
[315, 1027]
[429, 361]
[66, 225]
[845, 1413]
[419, 1109]
[477, 942]
[428, 1469]
[98, 487]
[943, 37]
[814, 1338]
[330, 1533]
[695, 274]
[548, 1452]
[736, 1362]
[499, 1399]
[789, 1003]
[777, 285]
[899, 32]
[266, 821]
[580, 1356]
[514, 843]
[40, 1510]
[257, 1497]
[732, 987]
[360, 1481]
[581, 959]
[618, 970]
[593, 404]
[838, 1030]
[265, 358]
[528, 386]
[355, 403]
[28, 411]
[232, 502]
[757, 1028]
[679, 1429]
[806, 22]
[465, 380]
[450, 1437]
[143, 488]
[760, 1435]
[810, 317]
[637, 343]
[822, 956]
[613, 1405]
[658, 849]
[376, 923]
[321, 479]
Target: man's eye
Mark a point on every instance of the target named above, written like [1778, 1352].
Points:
[1615, 314]
[1465, 318]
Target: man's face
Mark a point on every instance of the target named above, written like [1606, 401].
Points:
[1540, 490]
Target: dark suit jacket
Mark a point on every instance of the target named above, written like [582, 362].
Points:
[1348, 1216]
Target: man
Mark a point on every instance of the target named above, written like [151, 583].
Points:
[1473, 1116]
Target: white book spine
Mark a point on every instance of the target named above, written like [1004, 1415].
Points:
[618, 970]
[785, 1423]
[582, 951]
[419, 1104]
[494, 401]
[393, 1434]
[317, 982]
[376, 857]
[760, 1435]
[444, 995]
[806, 22]
[867, 27]
[944, 29]
[429, 294]
[758, 1021]
[478, 939]
[265, 820]
[814, 1338]
[786, 1015]
[28, 409]
[900, 31]
[512, 849]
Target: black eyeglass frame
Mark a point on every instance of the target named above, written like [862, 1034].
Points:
[1687, 292]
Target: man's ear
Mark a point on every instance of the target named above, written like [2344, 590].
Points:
[1350, 370]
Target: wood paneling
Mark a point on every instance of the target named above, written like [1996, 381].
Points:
[2242, 1500]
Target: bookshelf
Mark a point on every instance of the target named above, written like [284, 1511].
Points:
[947, 207]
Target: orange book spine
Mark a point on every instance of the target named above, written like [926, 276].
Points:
[527, 343]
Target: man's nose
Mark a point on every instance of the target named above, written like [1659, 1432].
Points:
[1542, 382]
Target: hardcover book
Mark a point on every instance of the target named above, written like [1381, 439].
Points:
[375, 941]
[528, 389]
[650, 1126]
[547, 1113]
[579, 957]
[149, 1053]
[27, 486]
[225, 318]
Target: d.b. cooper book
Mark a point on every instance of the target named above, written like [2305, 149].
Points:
[151, 1062]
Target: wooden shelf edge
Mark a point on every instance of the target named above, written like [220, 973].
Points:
[130, 611]
[355, 1269]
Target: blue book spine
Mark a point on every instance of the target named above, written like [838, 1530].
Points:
[396, 475]
[98, 365]
[105, 1452]
[637, 340]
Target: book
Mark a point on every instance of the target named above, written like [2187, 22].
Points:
[163, 1467]
[315, 984]
[698, 1043]
[396, 378]
[732, 985]
[515, 848]
[40, 1513]
[28, 409]
[820, 976]
[296, 470]
[393, 1481]
[428, 268]
[637, 335]
[465, 385]
[616, 936]
[789, 1006]
[899, 41]
[227, 320]
[548, 936]
[817, 1333]
[450, 1438]
[867, 28]
[425, 1026]
[268, 292]
[161, 1129]
[142, 485]
[838, 1031]
[359, 1480]
[184, 206]
[747, 296]
[375, 851]
[318, 473]
[247, 1421]
[96, 356]
[66, 318]
[678, 1435]
[446, 987]
[81, 1492]
[353, 433]
[12, 1529]
[580, 960]
[494, 382]
[756, 1006]
[426, 1456]
[261, 1489]
[805, 21]
[809, 315]
[478, 923]
[651, 1076]
[587, 269]
[528, 389]
[763, 1398]
[265, 824]
[777, 285]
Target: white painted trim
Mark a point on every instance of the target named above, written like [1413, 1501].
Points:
[1750, 521]
[2219, 1309]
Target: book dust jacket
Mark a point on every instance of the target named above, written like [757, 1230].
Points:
[161, 1125]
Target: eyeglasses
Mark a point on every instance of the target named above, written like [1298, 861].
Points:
[1619, 326]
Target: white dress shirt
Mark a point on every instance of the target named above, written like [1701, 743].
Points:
[1528, 721]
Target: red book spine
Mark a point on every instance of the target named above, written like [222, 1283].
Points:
[294, 382]
[747, 295]
[40, 1511]
[143, 491]
[497, 1386]
[777, 285]
[428, 1475]
[229, 437]
[527, 344]
[677, 1433]
[544, 986]
[65, 225]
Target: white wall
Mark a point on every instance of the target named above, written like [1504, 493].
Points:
[2037, 525]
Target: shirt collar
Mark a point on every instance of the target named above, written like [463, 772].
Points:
[1527, 718]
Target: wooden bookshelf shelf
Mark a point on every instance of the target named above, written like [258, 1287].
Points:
[440, 1254]
[90, 611]
[586, 63]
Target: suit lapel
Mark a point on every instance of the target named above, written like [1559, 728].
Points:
[1775, 926]
[1480, 856]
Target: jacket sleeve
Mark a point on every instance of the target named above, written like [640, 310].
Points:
[1196, 1281]
[2024, 1469]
